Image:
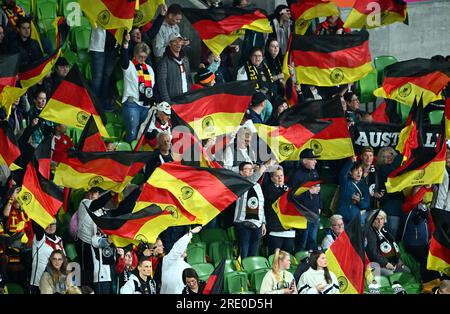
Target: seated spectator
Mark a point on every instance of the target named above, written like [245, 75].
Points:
[332, 25]
[353, 110]
[126, 264]
[159, 122]
[370, 177]
[337, 226]
[140, 282]
[62, 68]
[174, 74]
[279, 280]
[54, 279]
[4, 45]
[318, 279]
[353, 194]
[381, 249]
[280, 105]
[193, 284]
[60, 144]
[174, 265]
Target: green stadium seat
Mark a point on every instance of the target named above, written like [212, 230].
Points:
[236, 282]
[119, 86]
[270, 259]
[213, 235]
[256, 279]
[45, 9]
[219, 250]
[14, 288]
[301, 255]
[79, 37]
[413, 288]
[366, 86]
[252, 263]
[327, 192]
[115, 131]
[229, 266]
[231, 232]
[402, 278]
[71, 252]
[435, 116]
[123, 146]
[380, 63]
[203, 270]
[195, 238]
[25, 4]
[196, 253]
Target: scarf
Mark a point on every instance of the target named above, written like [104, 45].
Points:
[263, 77]
[252, 206]
[13, 14]
[144, 81]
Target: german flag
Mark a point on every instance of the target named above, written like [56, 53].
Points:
[35, 35]
[374, 13]
[31, 74]
[304, 11]
[107, 170]
[290, 212]
[220, 27]
[333, 142]
[39, 197]
[348, 260]
[211, 111]
[406, 80]
[8, 69]
[73, 103]
[379, 114]
[408, 138]
[9, 149]
[425, 166]
[8, 95]
[331, 60]
[216, 281]
[43, 155]
[447, 118]
[146, 12]
[439, 253]
[287, 140]
[90, 139]
[110, 14]
[203, 192]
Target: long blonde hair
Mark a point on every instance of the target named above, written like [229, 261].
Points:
[278, 256]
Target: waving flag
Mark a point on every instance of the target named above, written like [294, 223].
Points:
[31, 74]
[304, 11]
[146, 12]
[90, 139]
[376, 13]
[9, 150]
[439, 253]
[110, 14]
[409, 135]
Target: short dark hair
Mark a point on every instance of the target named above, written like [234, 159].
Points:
[348, 96]
[23, 20]
[243, 164]
[174, 9]
[189, 273]
[143, 259]
[356, 165]
[254, 49]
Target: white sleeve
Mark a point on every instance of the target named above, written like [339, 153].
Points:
[228, 158]
[128, 288]
[304, 287]
[268, 284]
[327, 241]
[442, 193]
[179, 247]
[241, 74]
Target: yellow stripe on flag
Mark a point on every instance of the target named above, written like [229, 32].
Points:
[407, 93]
[36, 79]
[332, 149]
[216, 124]
[320, 10]
[345, 286]
[33, 208]
[288, 221]
[358, 20]
[9, 95]
[96, 11]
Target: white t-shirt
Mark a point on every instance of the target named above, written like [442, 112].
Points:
[131, 83]
[97, 40]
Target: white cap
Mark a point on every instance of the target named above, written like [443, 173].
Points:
[175, 36]
[164, 107]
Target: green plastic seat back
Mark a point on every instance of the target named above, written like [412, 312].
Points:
[252, 263]
[213, 235]
[196, 253]
[380, 63]
[236, 282]
[203, 270]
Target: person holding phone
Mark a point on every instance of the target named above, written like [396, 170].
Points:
[279, 280]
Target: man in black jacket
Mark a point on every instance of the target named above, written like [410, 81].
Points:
[29, 49]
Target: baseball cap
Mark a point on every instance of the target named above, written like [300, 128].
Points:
[308, 153]
[164, 107]
[175, 36]
[205, 76]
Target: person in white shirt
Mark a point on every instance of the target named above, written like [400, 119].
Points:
[318, 279]
[279, 280]
[174, 264]
[337, 226]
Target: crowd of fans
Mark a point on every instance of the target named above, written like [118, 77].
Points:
[155, 69]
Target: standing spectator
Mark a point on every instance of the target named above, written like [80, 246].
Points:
[60, 144]
[280, 106]
[249, 218]
[54, 279]
[279, 280]
[332, 25]
[159, 122]
[318, 279]
[312, 200]
[307, 170]
[174, 265]
[4, 45]
[44, 243]
[162, 154]
[282, 25]
[205, 78]
[278, 237]
[174, 74]
[126, 264]
[240, 150]
[337, 226]
[140, 282]
[61, 70]
[169, 26]
[41, 128]
[139, 83]
[353, 112]
[27, 47]
[193, 284]
[274, 60]
[103, 255]
[370, 177]
[354, 193]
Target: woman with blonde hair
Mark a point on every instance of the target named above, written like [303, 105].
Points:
[54, 279]
[279, 280]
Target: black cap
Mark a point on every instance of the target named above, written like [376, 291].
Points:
[308, 153]
[61, 61]
[258, 98]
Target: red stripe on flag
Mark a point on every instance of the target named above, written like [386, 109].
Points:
[434, 82]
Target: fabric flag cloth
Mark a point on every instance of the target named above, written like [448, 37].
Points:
[73, 103]
[212, 111]
[290, 212]
[8, 69]
[203, 192]
[107, 170]
[447, 118]
[220, 27]
[375, 13]
[439, 253]
[425, 166]
[348, 260]
[43, 156]
[379, 114]
[304, 11]
[9, 149]
[406, 80]
[216, 281]
[146, 12]
[287, 140]
[90, 139]
[331, 60]
[110, 14]
[8, 95]
[35, 35]
[62, 31]
[409, 136]
[333, 142]
[31, 74]
[39, 197]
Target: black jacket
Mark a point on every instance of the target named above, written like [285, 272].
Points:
[271, 194]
